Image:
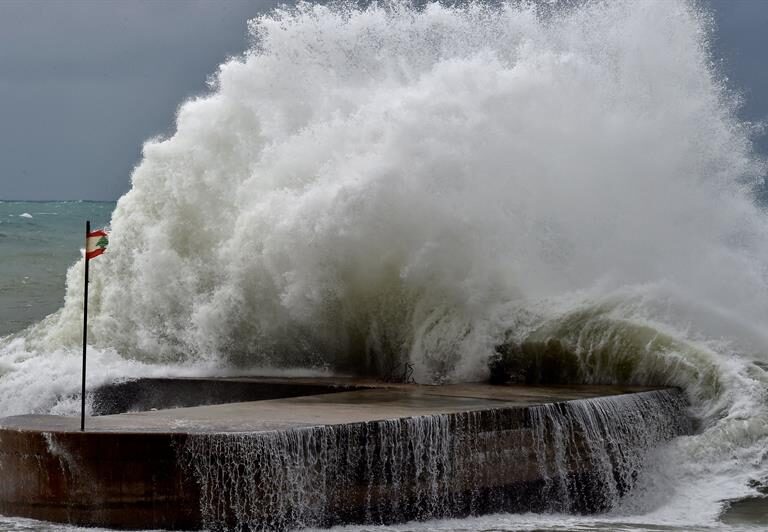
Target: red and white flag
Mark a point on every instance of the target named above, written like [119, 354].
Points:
[96, 243]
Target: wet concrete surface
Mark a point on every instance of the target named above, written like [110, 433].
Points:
[370, 401]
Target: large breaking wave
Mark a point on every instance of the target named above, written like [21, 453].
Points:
[369, 188]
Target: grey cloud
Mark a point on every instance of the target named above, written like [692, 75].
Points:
[84, 82]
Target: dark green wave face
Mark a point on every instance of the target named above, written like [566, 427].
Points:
[591, 346]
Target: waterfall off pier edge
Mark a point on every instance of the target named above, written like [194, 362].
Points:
[372, 454]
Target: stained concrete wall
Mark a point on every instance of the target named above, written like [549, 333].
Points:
[115, 480]
[368, 456]
[139, 395]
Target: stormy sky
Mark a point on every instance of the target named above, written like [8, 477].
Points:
[84, 82]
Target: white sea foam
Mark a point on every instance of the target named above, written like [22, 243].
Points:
[368, 187]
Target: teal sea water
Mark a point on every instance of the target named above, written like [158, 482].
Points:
[39, 241]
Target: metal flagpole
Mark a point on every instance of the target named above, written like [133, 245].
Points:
[85, 326]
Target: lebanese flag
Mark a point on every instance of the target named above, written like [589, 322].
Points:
[96, 243]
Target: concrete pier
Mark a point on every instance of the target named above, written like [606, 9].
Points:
[319, 452]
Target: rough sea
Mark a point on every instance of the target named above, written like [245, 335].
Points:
[39, 241]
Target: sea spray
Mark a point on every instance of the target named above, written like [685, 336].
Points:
[370, 184]
[580, 456]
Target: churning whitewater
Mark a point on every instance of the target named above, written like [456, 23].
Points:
[370, 188]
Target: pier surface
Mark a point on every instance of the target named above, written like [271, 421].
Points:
[135, 470]
[365, 402]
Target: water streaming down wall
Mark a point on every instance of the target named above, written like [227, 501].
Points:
[579, 456]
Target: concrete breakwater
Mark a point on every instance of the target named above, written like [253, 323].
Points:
[356, 453]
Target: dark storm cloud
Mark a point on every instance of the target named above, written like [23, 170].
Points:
[741, 46]
[48, 41]
[84, 82]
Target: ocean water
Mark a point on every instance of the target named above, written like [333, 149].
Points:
[367, 187]
[39, 241]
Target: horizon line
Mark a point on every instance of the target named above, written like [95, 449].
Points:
[4, 200]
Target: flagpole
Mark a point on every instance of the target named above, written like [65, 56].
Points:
[85, 326]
